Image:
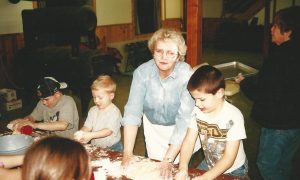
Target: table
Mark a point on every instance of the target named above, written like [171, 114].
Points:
[97, 153]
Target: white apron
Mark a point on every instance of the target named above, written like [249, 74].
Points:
[157, 139]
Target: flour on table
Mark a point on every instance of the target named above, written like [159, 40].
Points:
[144, 169]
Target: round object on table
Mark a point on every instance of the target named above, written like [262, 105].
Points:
[15, 144]
[28, 130]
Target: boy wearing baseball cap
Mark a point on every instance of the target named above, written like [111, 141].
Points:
[54, 112]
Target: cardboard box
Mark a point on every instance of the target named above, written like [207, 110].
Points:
[8, 94]
[15, 104]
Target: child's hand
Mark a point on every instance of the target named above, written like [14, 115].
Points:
[17, 124]
[86, 137]
[203, 177]
[82, 137]
[16, 121]
[78, 135]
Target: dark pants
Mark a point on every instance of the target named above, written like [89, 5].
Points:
[276, 152]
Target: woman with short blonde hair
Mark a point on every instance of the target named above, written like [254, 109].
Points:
[169, 35]
[160, 101]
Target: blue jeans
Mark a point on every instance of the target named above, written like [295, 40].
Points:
[276, 152]
[117, 147]
[240, 172]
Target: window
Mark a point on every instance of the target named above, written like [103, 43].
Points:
[147, 16]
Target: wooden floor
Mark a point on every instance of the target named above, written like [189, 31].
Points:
[212, 57]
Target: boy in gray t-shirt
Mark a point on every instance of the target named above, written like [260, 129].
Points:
[102, 126]
[54, 112]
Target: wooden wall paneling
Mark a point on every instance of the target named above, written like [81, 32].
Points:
[194, 32]
[172, 23]
[8, 48]
[116, 33]
[210, 27]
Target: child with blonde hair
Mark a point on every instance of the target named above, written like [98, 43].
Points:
[102, 126]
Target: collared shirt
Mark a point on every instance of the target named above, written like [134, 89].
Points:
[164, 102]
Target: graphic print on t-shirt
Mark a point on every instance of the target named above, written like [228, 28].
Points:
[54, 117]
[213, 140]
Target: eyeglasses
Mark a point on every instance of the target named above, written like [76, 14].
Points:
[169, 54]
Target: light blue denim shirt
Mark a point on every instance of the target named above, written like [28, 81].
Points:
[164, 102]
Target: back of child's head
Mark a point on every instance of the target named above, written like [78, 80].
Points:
[207, 79]
[104, 82]
[56, 158]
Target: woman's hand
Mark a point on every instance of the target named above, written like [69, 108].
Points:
[127, 159]
[182, 175]
[166, 169]
[197, 178]
[239, 78]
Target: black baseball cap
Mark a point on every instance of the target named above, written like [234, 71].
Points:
[48, 86]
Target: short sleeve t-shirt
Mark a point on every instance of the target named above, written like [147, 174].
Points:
[214, 132]
[109, 118]
[64, 110]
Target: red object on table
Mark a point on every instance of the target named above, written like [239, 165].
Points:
[92, 176]
[26, 130]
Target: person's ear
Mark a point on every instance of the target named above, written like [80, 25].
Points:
[111, 96]
[288, 34]
[57, 94]
[220, 93]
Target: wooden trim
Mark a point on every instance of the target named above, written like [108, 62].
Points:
[194, 32]
[266, 28]
[165, 10]
[34, 5]
[172, 23]
[94, 5]
[119, 24]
